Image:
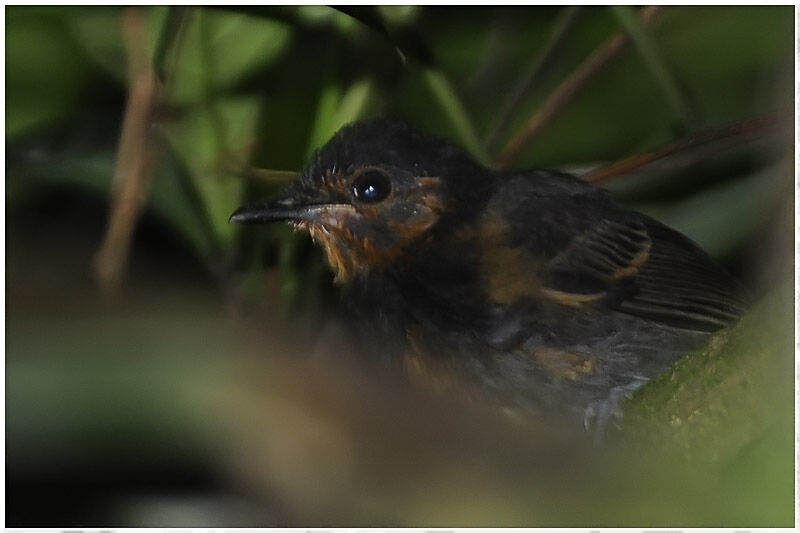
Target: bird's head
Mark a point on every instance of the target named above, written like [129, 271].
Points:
[373, 193]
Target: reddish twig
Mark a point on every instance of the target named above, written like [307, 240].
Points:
[558, 33]
[739, 131]
[263, 175]
[135, 155]
[566, 91]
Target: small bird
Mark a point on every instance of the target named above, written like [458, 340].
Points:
[533, 286]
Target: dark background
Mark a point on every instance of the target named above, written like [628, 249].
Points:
[177, 370]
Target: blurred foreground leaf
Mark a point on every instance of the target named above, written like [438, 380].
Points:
[329, 443]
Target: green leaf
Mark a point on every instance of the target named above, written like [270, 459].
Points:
[354, 102]
[219, 48]
[397, 15]
[98, 32]
[707, 216]
[400, 31]
[334, 111]
[87, 172]
[647, 48]
[45, 73]
[208, 141]
[170, 199]
[324, 124]
[447, 98]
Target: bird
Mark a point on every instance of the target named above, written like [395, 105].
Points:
[530, 287]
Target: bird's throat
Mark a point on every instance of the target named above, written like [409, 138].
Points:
[348, 255]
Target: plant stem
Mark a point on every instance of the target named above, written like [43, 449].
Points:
[641, 39]
[511, 106]
[135, 155]
[567, 90]
[737, 131]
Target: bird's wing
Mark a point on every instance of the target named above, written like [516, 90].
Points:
[593, 252]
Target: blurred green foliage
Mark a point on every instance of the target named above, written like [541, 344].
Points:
[264, 86]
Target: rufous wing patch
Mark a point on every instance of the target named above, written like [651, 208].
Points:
[572, 299]
[564, 364]
[509, 273]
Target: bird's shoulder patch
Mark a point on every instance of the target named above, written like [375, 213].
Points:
[585, 251]
[512, 271]
[509, 273]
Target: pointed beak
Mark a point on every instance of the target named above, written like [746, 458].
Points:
[286, 207]
[272, 210]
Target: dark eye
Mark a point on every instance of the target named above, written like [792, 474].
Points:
[372, 186]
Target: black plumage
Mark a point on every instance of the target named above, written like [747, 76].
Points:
[533, 285]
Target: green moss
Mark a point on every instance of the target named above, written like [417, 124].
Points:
[720, 399]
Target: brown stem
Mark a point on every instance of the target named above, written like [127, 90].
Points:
[557, 35]
[265, 175]
[737, 131]
[135, 155]
[566, 91]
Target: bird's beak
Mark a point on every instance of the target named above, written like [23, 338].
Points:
[277, 209]
[286, 207]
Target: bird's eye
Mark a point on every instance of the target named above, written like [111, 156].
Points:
[372, 186]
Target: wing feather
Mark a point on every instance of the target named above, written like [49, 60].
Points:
[591, 246]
